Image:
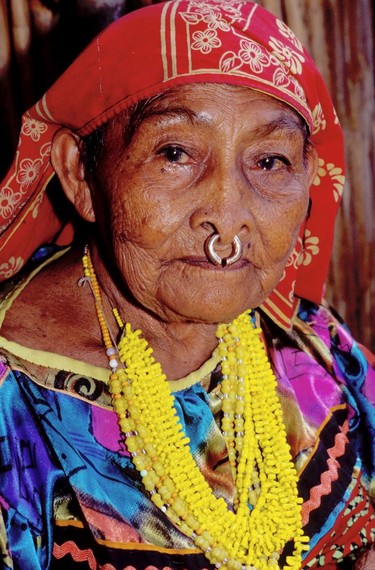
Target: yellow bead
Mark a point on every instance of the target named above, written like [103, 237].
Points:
[192, 522]
[134, 412]
[165, 493]
[132, 444]
[179, 508]
[119, 406]
[148, 483]
[234, 565]
[157, 500]
[140, 461]
[186, 529]
[218, 554]
[115, 386]
[126, 425]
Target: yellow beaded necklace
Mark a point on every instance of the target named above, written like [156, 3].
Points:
[267, 509]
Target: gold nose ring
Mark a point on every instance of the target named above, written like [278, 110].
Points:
[209, 247]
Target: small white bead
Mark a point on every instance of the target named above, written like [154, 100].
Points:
[113, 363]
[164, 509]
[144, 473]
[110, 351]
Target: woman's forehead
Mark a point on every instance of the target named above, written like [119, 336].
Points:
[194, 102]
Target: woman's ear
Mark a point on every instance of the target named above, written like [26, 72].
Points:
[67, 162]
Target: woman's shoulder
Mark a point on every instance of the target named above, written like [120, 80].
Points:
[29, 301]
[39, 324]
[44, 317]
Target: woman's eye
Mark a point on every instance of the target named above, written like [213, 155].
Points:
[174, 154]
[272, 163]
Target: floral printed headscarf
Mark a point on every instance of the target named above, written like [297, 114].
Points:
[141, 55]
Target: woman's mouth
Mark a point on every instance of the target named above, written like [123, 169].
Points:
[205, 264]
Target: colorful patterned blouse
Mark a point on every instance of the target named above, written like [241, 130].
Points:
[71, 498]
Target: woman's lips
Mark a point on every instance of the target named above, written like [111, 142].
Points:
[205, 264]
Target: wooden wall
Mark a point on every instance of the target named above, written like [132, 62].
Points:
[39, 38]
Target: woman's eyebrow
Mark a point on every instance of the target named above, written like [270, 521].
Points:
[284, 122]
[154, 110]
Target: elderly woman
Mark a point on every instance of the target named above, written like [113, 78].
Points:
[173, 392]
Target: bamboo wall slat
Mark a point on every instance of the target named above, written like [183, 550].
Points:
[4, 40]
[339, 35]
[21, 30]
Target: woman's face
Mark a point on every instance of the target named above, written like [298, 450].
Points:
[204, 158]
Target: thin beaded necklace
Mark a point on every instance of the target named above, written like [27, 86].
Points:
[267, 509]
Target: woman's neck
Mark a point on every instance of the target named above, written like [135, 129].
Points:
[179, 346]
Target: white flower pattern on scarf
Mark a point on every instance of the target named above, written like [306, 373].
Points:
[13, 265]
[289, 58]
[28, 172]
[319, 121]
[215, 21]
[33, 128]
[336, 175]
[295, 258]
[289, 34]
[310, 248]
[252, 54]
[37, 204]
[205, 41]
[8, 201]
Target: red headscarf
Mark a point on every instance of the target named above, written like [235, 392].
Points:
[146, 52]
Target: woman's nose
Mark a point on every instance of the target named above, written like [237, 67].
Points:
[224, 207]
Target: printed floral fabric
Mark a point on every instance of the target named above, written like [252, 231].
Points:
[193, 41]
[71, 498]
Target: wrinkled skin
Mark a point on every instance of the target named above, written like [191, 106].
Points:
[205, 158]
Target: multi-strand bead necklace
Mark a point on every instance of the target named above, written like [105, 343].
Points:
[267, 510]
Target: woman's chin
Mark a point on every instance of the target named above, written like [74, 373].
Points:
[207, 310]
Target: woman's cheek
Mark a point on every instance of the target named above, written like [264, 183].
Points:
[139, 224]
[281, 229]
